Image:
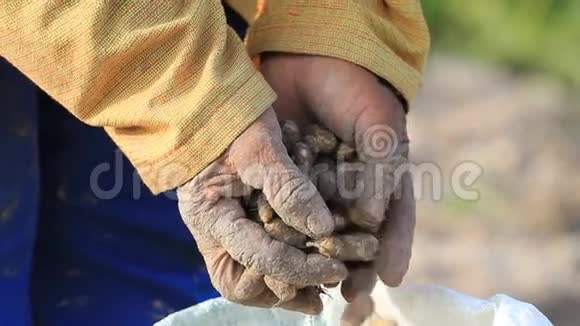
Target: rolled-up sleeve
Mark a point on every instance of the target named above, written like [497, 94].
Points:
[388, 37]
[169, 81]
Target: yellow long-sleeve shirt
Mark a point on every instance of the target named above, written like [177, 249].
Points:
[173, 85]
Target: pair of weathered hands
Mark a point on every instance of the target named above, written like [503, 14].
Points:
[348, 100]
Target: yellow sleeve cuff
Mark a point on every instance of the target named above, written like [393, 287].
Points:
[225, 124]
[389, 38]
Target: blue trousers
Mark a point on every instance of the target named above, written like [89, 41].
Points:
[82, 241]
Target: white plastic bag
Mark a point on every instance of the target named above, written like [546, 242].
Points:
[432, 305]
[409, 306]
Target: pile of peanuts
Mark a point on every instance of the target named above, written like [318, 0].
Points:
[320, 155]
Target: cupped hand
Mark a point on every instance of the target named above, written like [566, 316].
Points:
[358, 107]
[239, 255]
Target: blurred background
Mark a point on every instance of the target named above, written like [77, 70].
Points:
[502, 90]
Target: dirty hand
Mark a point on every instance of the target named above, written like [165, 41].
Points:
[238, 253]
[355, 105]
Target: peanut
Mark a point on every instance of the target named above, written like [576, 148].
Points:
[265, 211]
[290, 134]
[278, 230]
[345, 152]
[303, 157]
[312, 143]
[334, 168]
[327, 184]
[363, 220]
[348, 247]
[325, 139]
[340, 221]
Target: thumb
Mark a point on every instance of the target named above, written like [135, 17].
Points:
[382, 144]
[262, 162]
[397, 238]
[292, 195]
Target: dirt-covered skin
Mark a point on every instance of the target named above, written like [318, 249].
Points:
[245, 263]
[315, 150]
[357, 311]
[351, 101]
[283, 291]
[353, 239]
[353, 285]
[238, 252]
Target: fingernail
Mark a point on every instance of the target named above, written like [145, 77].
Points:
[320, 226]
[349, 296]
[393, 280]
[338, 273]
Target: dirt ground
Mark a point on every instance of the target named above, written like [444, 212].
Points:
[521, 236]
